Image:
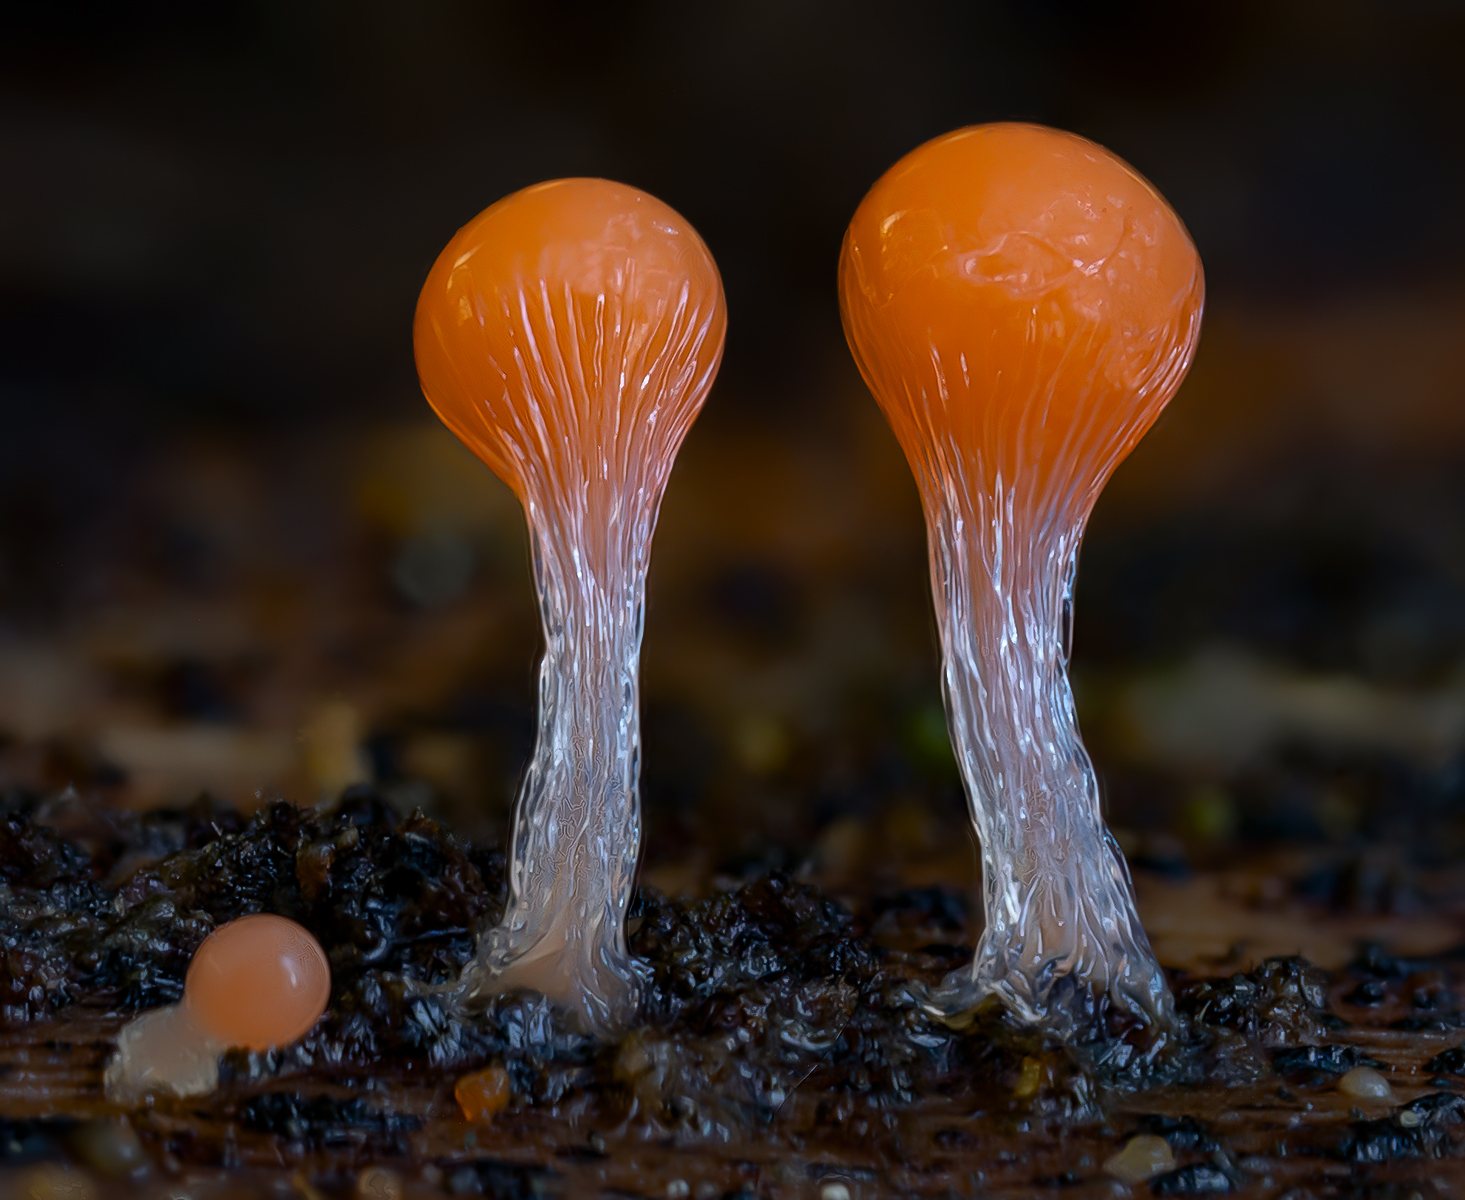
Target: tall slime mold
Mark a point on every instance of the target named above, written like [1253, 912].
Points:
[1023, 305]
[569, 335]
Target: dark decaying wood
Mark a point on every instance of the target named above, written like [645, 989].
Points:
[781, 1051]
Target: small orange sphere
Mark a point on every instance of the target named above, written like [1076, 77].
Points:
[258, 982]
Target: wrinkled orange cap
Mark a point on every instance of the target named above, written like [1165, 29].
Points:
[1023, 296]
[560, 321]
[258, 982]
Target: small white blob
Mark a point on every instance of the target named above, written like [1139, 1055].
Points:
[1364, 1083]
[378, 1183]
[1143, 1157]
[163, 1051]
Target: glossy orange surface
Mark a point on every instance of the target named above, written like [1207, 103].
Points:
[481, 1094]
[258, 982]
[561, 315]
[1023, 296]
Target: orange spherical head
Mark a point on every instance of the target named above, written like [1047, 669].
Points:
[1023, 297]
[561, 320]
[258, 982]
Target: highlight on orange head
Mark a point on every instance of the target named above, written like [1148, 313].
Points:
[1024, 295]
[258, 982]
[536, 297]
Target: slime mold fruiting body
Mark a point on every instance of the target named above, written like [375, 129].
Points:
[569, 335]
[1023, 305]
[259, 982]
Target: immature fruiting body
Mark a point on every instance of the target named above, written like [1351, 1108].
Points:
[569, 335]
[258, 982]
[1023, 305]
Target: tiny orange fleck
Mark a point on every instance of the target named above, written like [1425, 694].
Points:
[1029, 1079]
[480, 1094]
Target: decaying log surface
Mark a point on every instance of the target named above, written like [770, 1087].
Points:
[781, 1054]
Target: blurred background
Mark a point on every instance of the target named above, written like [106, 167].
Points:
[238, 555]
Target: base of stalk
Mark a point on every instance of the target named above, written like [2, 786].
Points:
[1125, 1019]
[598, 987]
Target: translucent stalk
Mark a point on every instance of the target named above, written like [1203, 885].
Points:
[1058, 900]
[577, 820]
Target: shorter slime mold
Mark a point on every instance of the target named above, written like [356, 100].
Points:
[569, 335]
[259, 982]
[1023, 305]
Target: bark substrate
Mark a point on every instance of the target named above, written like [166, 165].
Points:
[781, 1050]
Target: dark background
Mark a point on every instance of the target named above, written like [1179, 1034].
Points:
[214, 221]
[226, 213]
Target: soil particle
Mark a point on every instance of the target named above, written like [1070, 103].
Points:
[1182, 1133]
[1236, 1020]
[1422, 1128]
[23, 1141]
[1448, 1062]
[1282, 1001]
[1197, 1179]
[1368, 994]
[1316, 1063]
[501, 1180]
[326, 1121]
